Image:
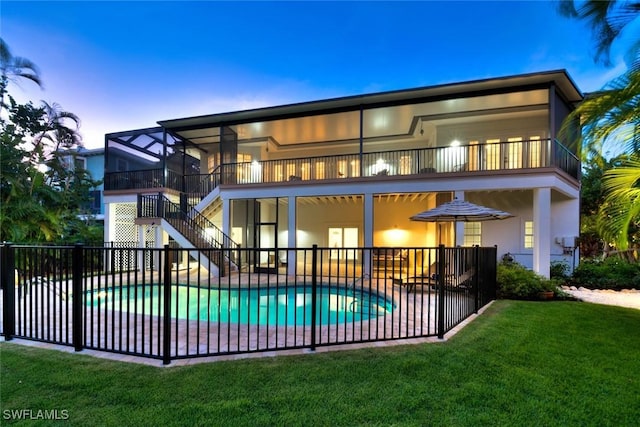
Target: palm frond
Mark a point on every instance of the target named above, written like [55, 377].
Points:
[623, 178]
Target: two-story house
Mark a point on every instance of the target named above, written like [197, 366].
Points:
[92, 161]
[350, 172]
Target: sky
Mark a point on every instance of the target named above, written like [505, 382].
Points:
[127, 65]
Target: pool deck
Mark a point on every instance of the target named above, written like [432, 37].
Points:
[413, 321]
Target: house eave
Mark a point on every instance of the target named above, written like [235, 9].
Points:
[559, 78]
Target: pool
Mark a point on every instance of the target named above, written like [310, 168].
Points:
[284, 305]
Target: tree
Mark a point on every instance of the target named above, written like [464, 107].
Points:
[613, 115]
[608, 20]
[41, 193]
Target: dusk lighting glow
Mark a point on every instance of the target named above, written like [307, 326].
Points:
[137, 75]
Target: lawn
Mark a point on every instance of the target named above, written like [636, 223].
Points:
[520, 363]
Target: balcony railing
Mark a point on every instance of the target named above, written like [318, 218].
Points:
[516, 155]
[463, 158]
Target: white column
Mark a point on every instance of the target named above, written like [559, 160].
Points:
[368, 231]
[542, 231]
[109, 222]
[459, 226]
[161, 238]
[141, 244]
[109, 230]
[291, 236]
[226, 216]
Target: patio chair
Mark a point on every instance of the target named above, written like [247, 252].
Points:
[427, 277]
[459, 282]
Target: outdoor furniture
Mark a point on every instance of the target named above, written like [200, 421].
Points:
[460, 282]
[389, 258]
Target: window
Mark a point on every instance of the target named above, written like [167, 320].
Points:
[80, 163]
[305, 171]
[405, 165]
[472, 234]
[319, 170]
[514, 153]
[342, 168]
[528, 234]
[474, 155]
[535, 152]
[340, 238]
[492, 154]
[96, 199]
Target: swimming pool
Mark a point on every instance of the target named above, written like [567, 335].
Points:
[282, 305]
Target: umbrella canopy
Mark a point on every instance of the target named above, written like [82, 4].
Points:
[460, 210]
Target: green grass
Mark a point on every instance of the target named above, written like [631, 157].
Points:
[520, 363]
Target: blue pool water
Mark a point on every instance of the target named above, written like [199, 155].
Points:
[266, 306]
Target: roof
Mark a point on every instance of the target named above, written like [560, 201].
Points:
[559, 78]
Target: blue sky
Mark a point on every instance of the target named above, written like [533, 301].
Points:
[126, 65]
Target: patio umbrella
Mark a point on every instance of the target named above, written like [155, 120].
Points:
[459, 210]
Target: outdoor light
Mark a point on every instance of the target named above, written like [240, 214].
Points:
[455, 143]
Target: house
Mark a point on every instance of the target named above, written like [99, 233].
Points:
[349, 172]
[91, 160]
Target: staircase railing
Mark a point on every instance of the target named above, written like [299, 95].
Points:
[194, 226]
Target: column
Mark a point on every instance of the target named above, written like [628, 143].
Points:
[141, 244]
[368, 231]
[458, 233]
[542, 231]
[291, 236]
[226, 216]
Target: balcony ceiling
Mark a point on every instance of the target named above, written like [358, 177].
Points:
[338, 119]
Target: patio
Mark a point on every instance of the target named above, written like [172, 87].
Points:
[125, 311]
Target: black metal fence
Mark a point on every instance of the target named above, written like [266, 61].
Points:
[83, 297]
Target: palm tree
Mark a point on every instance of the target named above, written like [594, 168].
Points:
[609, 20]
[59, 131]
[620, 213]
[12, 67]
[611, 115]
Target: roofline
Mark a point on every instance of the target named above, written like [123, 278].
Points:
[354, 102]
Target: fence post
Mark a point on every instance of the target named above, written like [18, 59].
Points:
[314, 297]
[441, 273]
[8, 278]
[476, 266]
[166, 315]
[76, 286]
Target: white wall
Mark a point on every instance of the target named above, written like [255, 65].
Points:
[508, 234]
[392, 226]
[313, 221]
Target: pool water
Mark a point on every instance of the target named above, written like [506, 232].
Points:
[265, 306]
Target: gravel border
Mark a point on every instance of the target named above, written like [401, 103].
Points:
[625, 298]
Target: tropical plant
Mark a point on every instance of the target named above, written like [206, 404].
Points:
[611, 116]
[41, 192]
[609, 273]
[15, 68]
[608, 20]
[515, 281]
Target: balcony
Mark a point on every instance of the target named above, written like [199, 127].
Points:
[533, 154]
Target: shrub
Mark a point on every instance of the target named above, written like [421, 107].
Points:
[610, 273]
[518, 282]
[559, 270]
